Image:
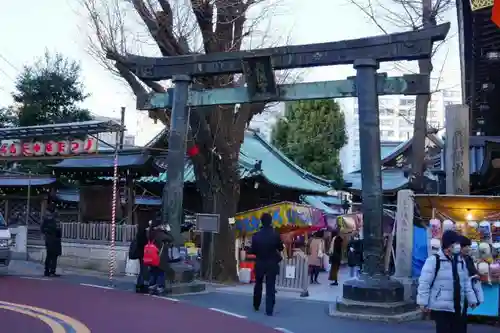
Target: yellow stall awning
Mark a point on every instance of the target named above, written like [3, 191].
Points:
[458, 207]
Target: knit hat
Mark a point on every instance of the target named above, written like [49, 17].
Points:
[449, 238]
[464, 241]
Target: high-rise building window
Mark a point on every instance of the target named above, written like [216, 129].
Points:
[404, 135]
[386, 134]
[386, 122]
[406, 102]
[433, 114]
[386, 112]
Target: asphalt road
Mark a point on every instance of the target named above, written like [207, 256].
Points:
[50, 305]
[117, 309]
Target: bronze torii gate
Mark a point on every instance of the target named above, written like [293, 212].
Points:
[258, 66]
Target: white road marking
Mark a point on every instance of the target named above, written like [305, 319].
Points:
[96, 286]
[167, 298]
[228, 313]
[281, 329]
[34, 278]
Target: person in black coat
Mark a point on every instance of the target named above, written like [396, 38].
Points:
[136, 252]
[335, 256]
[355, 255]
[51, 231]
[160, 235]
[267, 247]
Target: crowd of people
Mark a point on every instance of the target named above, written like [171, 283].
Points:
[316, 254]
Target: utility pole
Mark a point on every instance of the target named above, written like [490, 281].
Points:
[122, 122]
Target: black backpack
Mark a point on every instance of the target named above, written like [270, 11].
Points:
[438, 266]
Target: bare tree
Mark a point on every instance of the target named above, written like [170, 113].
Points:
[414, 15]
[180, 27]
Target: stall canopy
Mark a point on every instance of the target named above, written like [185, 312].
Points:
[458, 207]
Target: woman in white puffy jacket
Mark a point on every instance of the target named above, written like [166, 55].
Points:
[444, 287]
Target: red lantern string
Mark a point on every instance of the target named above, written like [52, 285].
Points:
[193, 151]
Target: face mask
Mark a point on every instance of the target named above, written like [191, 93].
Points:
[456, 249]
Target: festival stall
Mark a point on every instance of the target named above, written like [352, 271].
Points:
[477, 218]
[293, 221]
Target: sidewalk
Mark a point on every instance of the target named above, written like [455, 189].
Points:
[34, 269]
[322, 292]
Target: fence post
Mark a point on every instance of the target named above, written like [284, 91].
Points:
[305, 279]
[78, 231]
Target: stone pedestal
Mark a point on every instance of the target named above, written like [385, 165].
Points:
[374, 298]
[181, 280]
[378, 289]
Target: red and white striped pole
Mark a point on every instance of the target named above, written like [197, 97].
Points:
[112, 250]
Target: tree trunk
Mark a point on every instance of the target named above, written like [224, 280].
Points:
[421, 106]
[218, 183]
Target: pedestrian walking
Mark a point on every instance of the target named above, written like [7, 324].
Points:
[355, 255]
[52, 234]
[444, 286]
[156, 255]
[315, 256]
[465, 244]
[266, 246]
[136, 252]
[335, 254]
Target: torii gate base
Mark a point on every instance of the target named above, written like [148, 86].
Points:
[374, 294]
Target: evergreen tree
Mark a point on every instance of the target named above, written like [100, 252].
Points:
[47, 92]
[311, 134]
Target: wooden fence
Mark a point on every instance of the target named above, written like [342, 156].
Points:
[97, 233]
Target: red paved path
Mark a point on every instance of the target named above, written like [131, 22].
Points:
[113, 311]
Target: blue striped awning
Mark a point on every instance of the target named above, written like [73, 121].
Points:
[25, 181]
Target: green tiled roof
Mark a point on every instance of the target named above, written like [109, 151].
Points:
[276, 168]
[392, 180]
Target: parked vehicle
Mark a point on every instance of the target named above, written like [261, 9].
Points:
[5, 240]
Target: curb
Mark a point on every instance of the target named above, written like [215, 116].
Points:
[398, 318]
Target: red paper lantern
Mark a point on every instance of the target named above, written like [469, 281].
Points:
[193, 151]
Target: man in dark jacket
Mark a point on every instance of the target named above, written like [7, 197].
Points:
[53, 247]
[465, 248]
[267, 247]
[355, 255]
[136, 252]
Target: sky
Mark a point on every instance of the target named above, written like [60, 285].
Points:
[29, 27]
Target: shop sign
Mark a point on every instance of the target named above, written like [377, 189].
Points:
[48, 148]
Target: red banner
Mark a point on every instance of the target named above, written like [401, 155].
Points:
[50, 148]
[495, 13]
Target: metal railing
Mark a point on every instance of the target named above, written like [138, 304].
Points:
[96, 233]
[294, 275]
